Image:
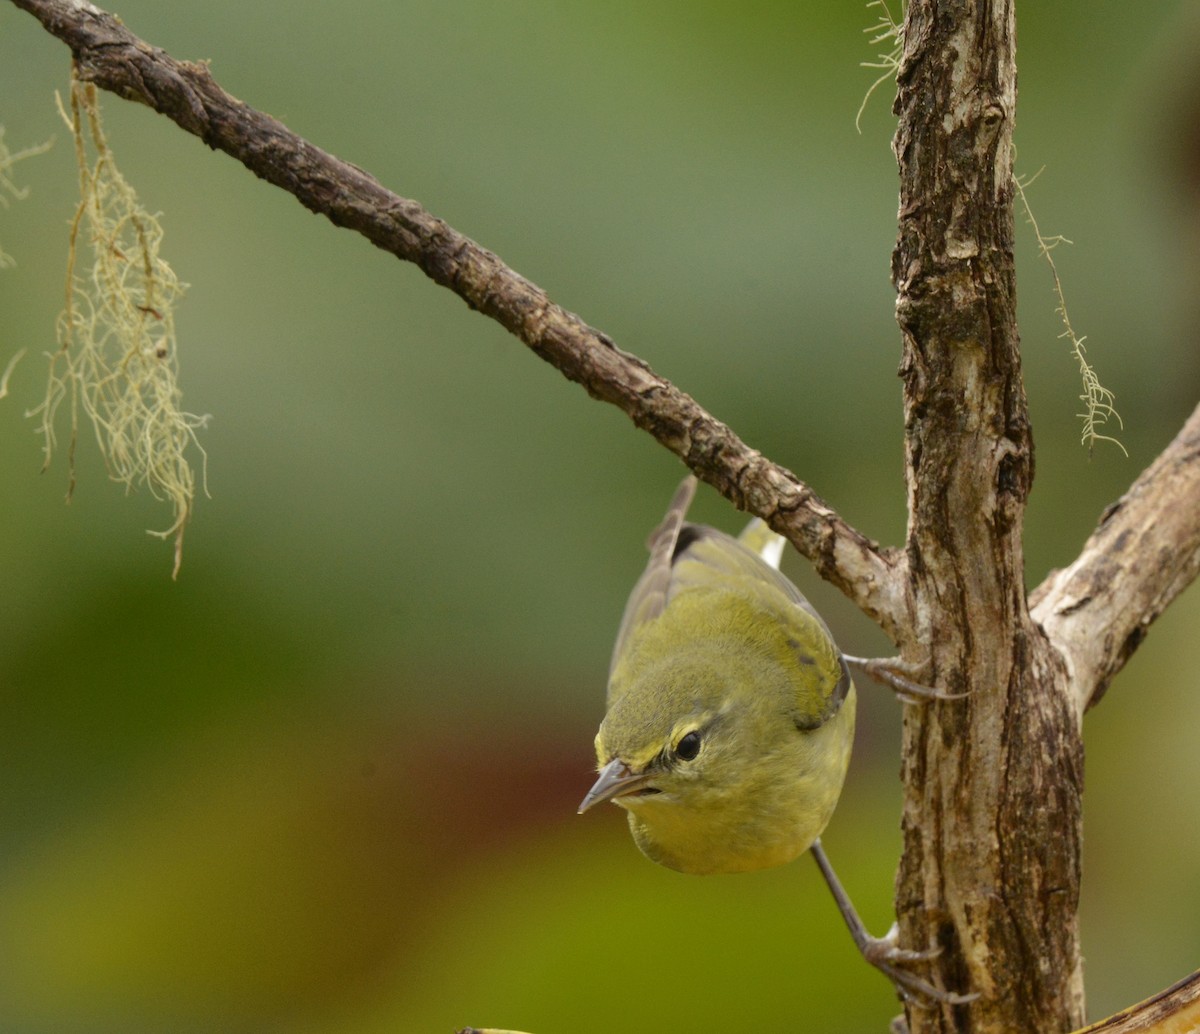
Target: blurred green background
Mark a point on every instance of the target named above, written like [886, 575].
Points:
[326, 781]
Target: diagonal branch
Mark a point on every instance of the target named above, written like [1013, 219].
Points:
[109, 55]
[1145, 552]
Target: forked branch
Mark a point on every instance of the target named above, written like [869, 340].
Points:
[1144, 553]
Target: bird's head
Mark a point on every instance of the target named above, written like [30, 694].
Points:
[707, 762]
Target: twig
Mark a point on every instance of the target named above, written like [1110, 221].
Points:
[1145, 552]
[1175, 1010]
[113, 58]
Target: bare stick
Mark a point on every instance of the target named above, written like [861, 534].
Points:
[1145, 552]
[113, 58]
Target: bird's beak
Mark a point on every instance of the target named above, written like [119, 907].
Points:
[615, 780]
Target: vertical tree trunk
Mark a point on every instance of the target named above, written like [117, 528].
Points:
[993, 782]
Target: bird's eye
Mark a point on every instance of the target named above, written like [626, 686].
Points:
[688, 747]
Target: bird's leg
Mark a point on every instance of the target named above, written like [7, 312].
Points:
[894, 673]
[883, 952]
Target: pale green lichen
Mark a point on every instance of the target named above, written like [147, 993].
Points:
[8, 187]
[1097, 399]
[889, 32]
[117, 359]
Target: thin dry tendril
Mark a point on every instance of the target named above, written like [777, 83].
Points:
[117, 359]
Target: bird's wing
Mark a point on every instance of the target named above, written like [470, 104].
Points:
[694, 556]
[705, 557]
[649, 596]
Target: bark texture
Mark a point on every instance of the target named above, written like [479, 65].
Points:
[111, 56]
[993, 782]
[1145, 551]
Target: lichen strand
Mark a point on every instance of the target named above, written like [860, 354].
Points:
[117, 358]
[9, 188]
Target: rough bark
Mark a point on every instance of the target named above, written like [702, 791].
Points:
[109, 55]
[993, 782]
[1097, 611]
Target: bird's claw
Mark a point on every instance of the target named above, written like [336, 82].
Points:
[894, 673]
[886, 950]
[885, 954]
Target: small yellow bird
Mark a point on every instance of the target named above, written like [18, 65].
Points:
[731, 716]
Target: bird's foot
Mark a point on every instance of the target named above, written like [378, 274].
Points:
[885, 954]
[896, 673]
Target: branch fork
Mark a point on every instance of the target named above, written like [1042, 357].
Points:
[973, 874]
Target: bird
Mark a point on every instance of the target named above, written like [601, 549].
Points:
[730, 718]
